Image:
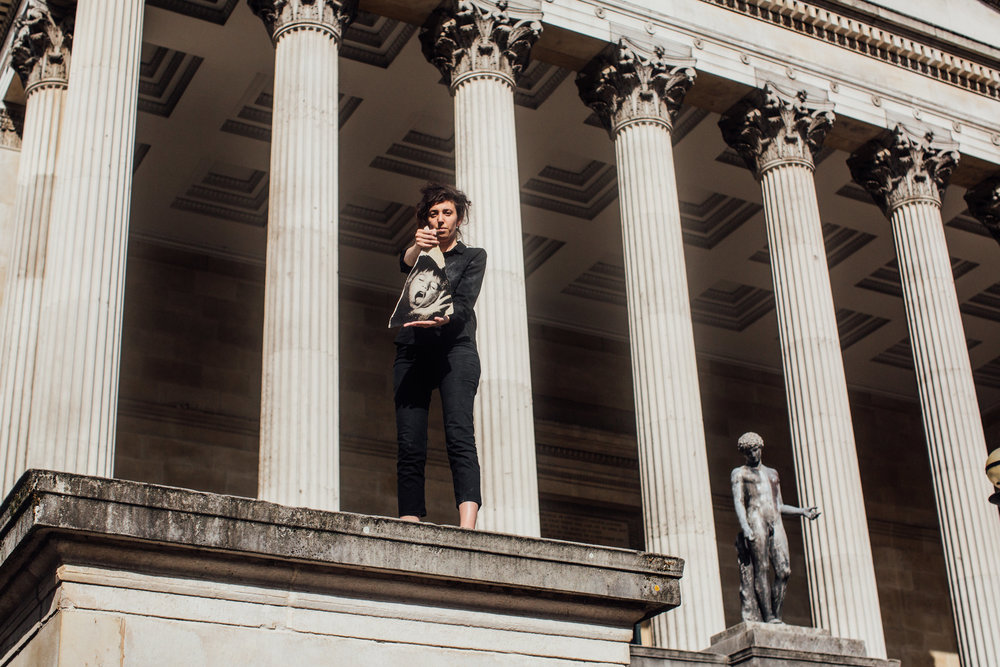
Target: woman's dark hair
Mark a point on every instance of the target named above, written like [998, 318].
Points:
[435, 193]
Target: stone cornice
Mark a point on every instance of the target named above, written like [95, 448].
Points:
[930, 56]
[630, 83]
[465, 38]
[40, 50]
[901, 167]
[283, 16]
[770, 126]
[984, 204]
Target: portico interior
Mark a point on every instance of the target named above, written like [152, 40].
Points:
[189, 397]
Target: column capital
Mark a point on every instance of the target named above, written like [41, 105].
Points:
[10, 137]
[770, 127]
[901, 166]
[40, 50]
[465, 38]
[630, 83]
[984, 204]
[283, 16]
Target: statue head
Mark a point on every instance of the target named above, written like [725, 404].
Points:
[750, 445]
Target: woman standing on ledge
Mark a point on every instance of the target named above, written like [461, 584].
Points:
[440, 353]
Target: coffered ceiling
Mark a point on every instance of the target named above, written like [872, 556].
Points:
[202, 173]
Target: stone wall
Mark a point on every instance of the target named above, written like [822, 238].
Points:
[189, 396]
[188, 416]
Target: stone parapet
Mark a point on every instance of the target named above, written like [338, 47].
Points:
[114, 568]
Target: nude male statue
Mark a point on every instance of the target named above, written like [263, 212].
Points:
[761, 545]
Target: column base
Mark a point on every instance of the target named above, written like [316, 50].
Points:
[109, 572]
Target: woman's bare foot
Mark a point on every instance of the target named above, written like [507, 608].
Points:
[410, 517]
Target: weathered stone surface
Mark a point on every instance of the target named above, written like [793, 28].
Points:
[121, 547]
[759, 644]
[791, 637]
[654, 656]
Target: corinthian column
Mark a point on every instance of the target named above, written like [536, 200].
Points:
[637, 94]
[777, 135]
[906, 174]
[40, 55]
[481, 48]
[984, 204]
[300, 411]
[75, 393]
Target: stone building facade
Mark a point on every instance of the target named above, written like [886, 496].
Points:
[703, 217]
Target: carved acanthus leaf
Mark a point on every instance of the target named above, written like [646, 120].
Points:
[9, 136]
[900, 166]
[984, 204]
[630, 83]
[466, 36]
[282, 15]
[770, 126]
[40, 50]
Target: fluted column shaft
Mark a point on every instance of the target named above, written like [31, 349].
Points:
[10, 157]
[777, 132]
[299, 436]
[23, 293]
[75, 391]
[953, 427]
[839, 565]
[906, 175]
[636, 93]
[486, 169]
[673, 464]
[481, 48]
[41, 59]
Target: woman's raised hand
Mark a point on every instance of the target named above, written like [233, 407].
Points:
[426, 238]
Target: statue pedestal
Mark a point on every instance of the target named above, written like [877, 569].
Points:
[771, 644]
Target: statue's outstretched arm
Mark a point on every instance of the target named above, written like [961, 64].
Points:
[792, 510]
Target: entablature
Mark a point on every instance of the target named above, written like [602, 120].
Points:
[878, 67]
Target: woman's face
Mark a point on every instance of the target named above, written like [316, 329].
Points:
[444, 218]
[424, 289]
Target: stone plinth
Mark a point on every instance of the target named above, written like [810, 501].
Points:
[766, 644]
[105, 572]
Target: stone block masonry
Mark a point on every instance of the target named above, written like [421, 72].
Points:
[101, 572]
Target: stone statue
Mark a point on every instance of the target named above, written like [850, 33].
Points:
[761, 545]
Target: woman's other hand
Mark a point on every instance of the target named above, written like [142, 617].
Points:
[425, 324]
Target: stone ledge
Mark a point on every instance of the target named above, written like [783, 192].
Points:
[654, 656]
[56, 517]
